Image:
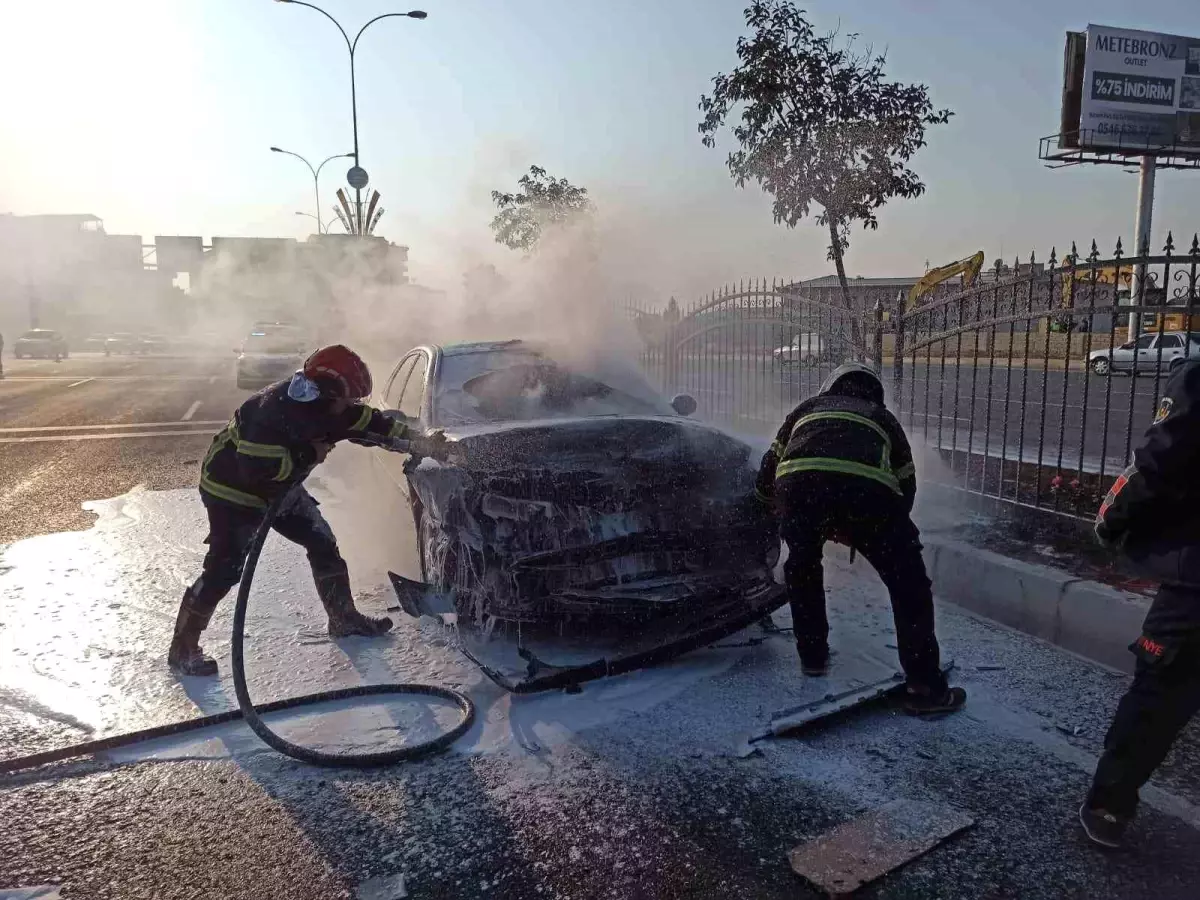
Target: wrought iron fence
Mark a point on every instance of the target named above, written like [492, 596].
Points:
[1009, 383]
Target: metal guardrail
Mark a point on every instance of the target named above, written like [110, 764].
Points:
[1009, 383]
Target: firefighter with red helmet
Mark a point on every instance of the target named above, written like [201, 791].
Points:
[273, 439]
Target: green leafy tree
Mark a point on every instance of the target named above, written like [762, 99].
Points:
[541, 201]
[819, 124]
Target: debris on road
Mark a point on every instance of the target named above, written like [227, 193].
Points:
[795, 718]
[989, 668]
[857, 852]
[385, 887]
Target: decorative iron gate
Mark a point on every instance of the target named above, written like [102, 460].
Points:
[1010, 383]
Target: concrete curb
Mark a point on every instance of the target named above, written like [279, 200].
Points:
[1085, 617]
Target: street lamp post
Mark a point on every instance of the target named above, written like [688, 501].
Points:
[320, 227]
[316, 175]
[352, 45]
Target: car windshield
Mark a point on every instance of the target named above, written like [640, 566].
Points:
[521, 385]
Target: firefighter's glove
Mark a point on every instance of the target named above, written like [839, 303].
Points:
[434, 444]
[840, 537]
[320, 451]
[1108, 537]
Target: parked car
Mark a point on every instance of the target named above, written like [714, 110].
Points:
[1149, 351]
[270, 354]
[808, 350]
[576, 501]
[123, 343]
[40, 343]
[154, 343]
[95, 343]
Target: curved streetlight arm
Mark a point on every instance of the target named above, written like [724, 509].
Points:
[345, 36]
[281, 150]
[335, 156]
[407, 15]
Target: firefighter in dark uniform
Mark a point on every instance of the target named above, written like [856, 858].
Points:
[271, 441]
[1152, 514]
[841, 469]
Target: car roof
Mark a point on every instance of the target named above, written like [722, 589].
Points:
[466, 347]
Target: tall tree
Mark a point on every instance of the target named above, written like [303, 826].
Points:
[819, 124]
[542, 200]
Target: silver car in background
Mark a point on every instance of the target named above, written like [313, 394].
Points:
[271, 353]
[1165, 350]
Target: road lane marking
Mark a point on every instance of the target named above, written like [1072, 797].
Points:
[78, 383]
[126, 378]
[37, 439]
[187, 416]
[32, 428]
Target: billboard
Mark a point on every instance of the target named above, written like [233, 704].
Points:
[1140, 90]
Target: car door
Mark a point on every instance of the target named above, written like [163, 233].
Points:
[1142, 354]
[393, 463]
[1172, 349]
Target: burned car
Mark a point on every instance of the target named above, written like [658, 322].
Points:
[580, 506]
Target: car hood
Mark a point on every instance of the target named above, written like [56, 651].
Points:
[623, 515]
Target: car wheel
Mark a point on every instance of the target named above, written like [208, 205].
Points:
[1101, 366]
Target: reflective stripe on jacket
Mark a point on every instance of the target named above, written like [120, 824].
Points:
[269, 442]
[844, 435]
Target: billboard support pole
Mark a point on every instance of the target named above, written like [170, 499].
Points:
[1145, 212]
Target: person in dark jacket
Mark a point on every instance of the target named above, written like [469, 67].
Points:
[273, 439]
[1152, 515]
[841, 469]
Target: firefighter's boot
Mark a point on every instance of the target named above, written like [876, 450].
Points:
[333, 587]
[185, 656]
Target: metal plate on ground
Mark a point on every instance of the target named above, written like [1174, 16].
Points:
[857, 852]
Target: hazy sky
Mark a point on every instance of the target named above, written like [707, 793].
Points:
[157, 114]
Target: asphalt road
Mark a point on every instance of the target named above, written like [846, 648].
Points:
[959, 406]
[91, 427]
[651, 801]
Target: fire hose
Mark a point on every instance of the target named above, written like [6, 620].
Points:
[253, 714]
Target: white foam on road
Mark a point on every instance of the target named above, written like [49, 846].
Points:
[88, 616]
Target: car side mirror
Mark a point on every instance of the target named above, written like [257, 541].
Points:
[684, 404]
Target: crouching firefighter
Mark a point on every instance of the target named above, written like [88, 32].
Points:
[1150, 514]
[841, 469]
[273, 439]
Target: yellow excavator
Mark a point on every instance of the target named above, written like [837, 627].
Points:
[968, 268]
